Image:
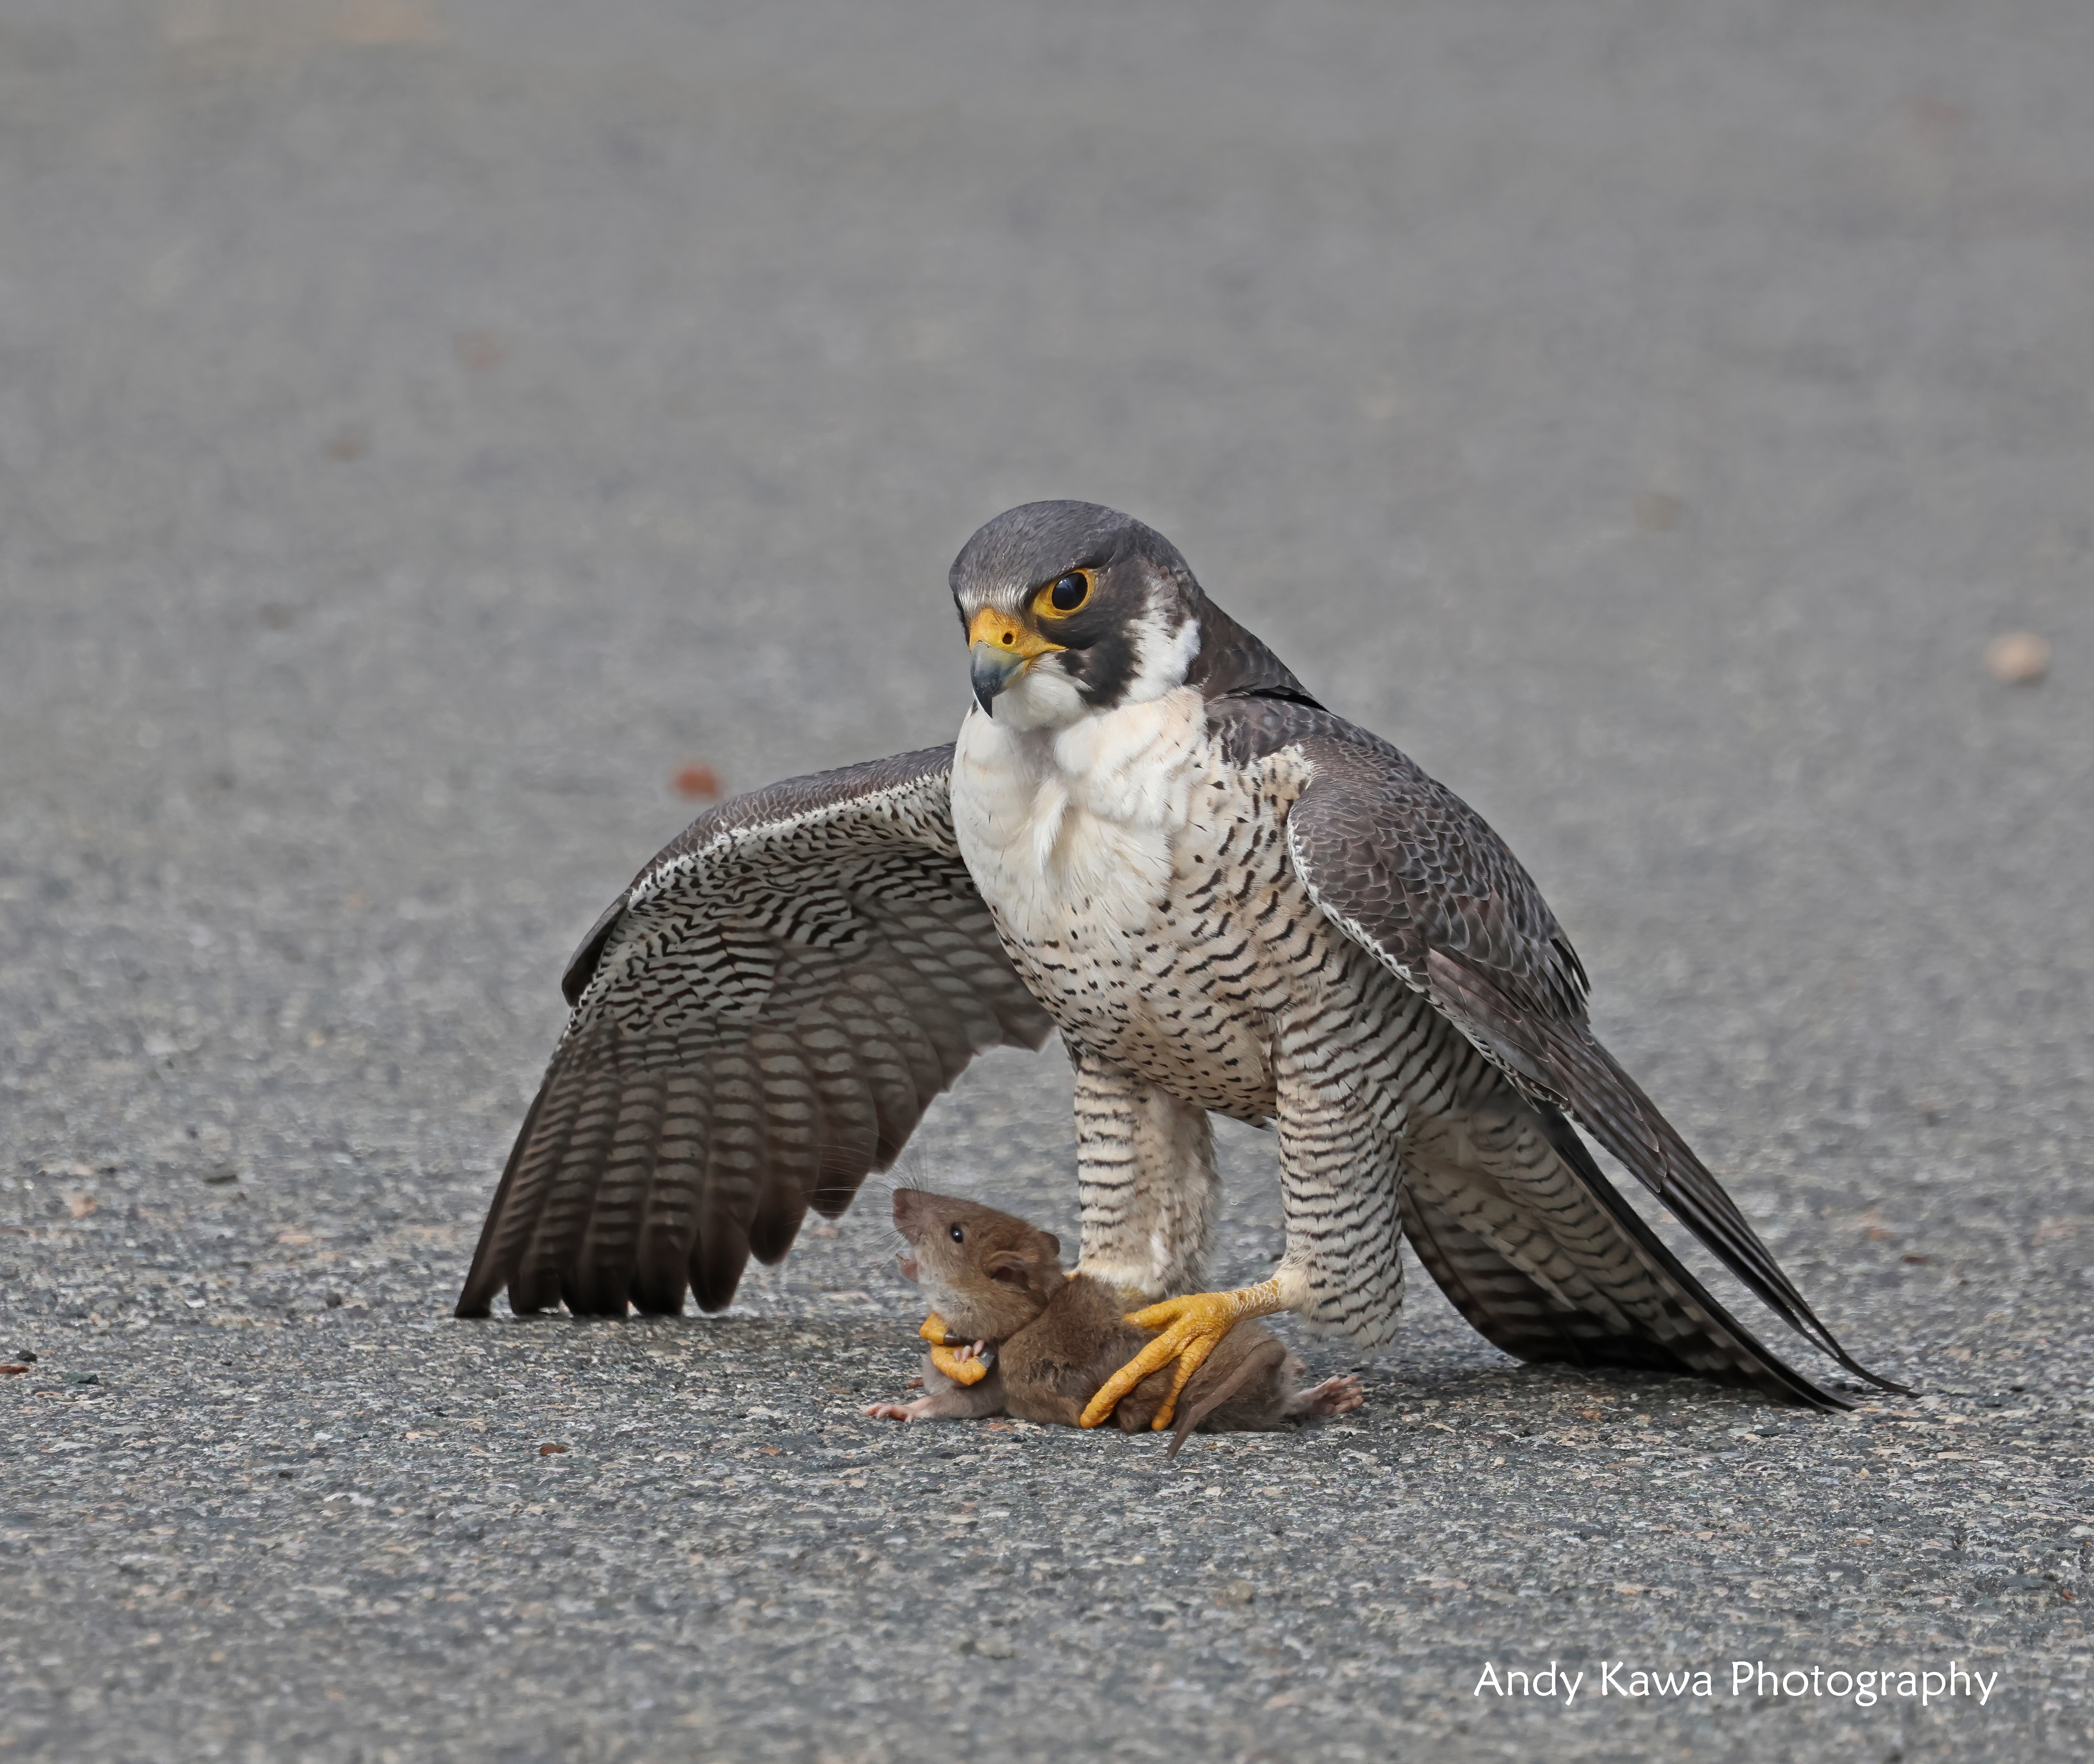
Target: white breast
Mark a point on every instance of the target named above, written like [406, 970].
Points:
[1073, 830]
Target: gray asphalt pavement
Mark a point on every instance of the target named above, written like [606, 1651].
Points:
[428, 428]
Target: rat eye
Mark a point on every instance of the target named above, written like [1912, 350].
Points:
[959, 1235]
[1066, 594]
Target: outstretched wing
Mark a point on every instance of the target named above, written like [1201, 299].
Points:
[1406, 868]
[759, 1020]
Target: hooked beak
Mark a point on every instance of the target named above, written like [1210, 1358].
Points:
[1000, 649]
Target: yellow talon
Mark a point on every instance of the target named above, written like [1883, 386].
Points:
[969, 1371]
[1192, 1328]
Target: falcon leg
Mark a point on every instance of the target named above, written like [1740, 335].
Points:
[1192, 1326]
[1339, 1176]
[1341, 1129]
[1145, 1180]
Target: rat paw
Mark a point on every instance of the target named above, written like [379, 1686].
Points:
[893, 1411]
[1334, 1396]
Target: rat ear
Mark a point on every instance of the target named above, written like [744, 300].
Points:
[1008, 1266]
[1051, 1243]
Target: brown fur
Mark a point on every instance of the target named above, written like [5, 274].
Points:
[998, 1282]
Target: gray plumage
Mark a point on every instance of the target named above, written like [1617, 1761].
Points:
[1227, 898]
[758, 1023]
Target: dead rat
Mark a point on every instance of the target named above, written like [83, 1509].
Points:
[1050, 1339]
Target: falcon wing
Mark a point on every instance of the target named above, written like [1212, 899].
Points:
[759, 1020]
[1547, 1259]
[1402, 866]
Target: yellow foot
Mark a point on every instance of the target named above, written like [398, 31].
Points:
[1191, 1326]
[957, 1363]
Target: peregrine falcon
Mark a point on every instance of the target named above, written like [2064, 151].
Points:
[1228, 899]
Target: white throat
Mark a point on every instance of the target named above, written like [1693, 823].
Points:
[1072, 825]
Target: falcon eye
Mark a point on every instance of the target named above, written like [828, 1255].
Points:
[959, 1237]
[1066, 594]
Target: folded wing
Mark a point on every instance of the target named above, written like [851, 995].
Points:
[759, 1021]
[1404, 867]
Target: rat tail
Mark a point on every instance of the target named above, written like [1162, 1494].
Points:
[1265, 1357]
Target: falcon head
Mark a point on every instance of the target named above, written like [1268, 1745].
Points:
[1070, 608]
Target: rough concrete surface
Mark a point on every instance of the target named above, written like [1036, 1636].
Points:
[427, 426]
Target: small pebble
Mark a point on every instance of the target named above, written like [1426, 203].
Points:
[2019, 658]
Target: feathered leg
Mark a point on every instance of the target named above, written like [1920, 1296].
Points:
[1339, 1179]
[1146, 1179]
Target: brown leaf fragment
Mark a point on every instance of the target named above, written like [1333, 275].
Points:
[697, 781]
[550, 1448]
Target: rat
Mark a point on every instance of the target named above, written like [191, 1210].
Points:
[1051, 1339]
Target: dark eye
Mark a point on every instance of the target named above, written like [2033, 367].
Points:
[1066, 594]
[959, 1235]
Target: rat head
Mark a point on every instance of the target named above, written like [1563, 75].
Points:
[987, 1274]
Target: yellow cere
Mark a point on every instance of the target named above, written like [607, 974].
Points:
[1000, 631]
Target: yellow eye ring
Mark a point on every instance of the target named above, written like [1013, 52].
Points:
[1068, 592]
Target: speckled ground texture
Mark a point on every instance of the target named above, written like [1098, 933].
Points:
[425, 429]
